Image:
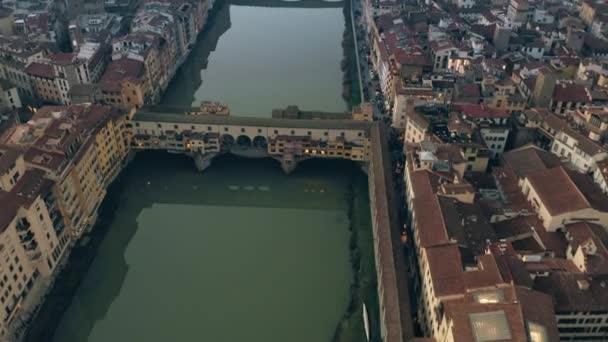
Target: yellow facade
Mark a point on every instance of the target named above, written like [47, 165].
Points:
[111, 147]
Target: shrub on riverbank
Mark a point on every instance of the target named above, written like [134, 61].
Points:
[350, 83]
[363, 286]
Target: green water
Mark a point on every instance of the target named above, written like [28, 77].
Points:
[255, 59]
[240, 252]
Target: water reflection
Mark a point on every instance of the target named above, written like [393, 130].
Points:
[316, 186]
[271, 54]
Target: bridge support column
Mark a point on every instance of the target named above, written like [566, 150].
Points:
[202, 161]
[288, 166]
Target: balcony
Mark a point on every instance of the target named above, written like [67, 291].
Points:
[49, 200]
[34, 255]
[31, 246]
[27, 237]
[59, 227]
[23, 225]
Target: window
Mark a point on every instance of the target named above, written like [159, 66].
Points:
[242, 130]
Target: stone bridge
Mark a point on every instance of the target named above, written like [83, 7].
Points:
[289, 3]
[287, 140]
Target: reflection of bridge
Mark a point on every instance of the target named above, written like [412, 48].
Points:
[288, 3]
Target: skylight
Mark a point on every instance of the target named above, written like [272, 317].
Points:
[490, 326]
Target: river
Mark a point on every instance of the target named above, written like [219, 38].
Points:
[242, 252]
[255, 59]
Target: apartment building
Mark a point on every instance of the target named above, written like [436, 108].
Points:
[124, 84]
[148, 48]
[492, 124]
[53, 77]
[80, 149]
[466, 294]
[560, 236]
[416, 126]
[33, 238]
[9, 95]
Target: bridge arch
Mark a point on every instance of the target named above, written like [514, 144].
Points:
[243, 141]
[227, 140]
[260, 142]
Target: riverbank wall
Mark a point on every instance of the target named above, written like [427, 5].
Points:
[393, 293]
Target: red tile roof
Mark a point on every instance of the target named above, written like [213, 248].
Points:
[575, 93]
[40, 70]
[557, 199]
[478, 111]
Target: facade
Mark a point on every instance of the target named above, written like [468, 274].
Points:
[492, 124]
[33, 238]
[124, 84]
[9, 96]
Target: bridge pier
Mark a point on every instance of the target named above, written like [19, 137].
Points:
[288, 166]
[203, 161]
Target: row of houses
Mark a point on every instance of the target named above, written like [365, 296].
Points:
[127, 71]
[54, 171]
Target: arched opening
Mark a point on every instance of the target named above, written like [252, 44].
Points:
[260, 142]
[227, 140]
[243, 141]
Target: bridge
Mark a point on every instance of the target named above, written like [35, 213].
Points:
[290, 141]
[289, 3]
[287, 140]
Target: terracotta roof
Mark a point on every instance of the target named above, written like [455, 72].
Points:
[418, 118]
[63, 58]
[570, 92]
[40, 70]
[568, 296]
[10, 205]
[478, 111]
[430, 224]
[8, 156]
[582, 232]
[446, 270]
[120, 70]
[557, 199]
[528, 159]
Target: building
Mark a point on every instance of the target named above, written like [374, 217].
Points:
[492, 124]
[9, 95]
[466, 294]
[33, 238]
[517, 13]
[543, 88]
[559, 234]
[79, 148]
[149, 48]
[124, 84]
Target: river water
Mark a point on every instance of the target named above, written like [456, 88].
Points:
[242, 252]
[255, 59]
